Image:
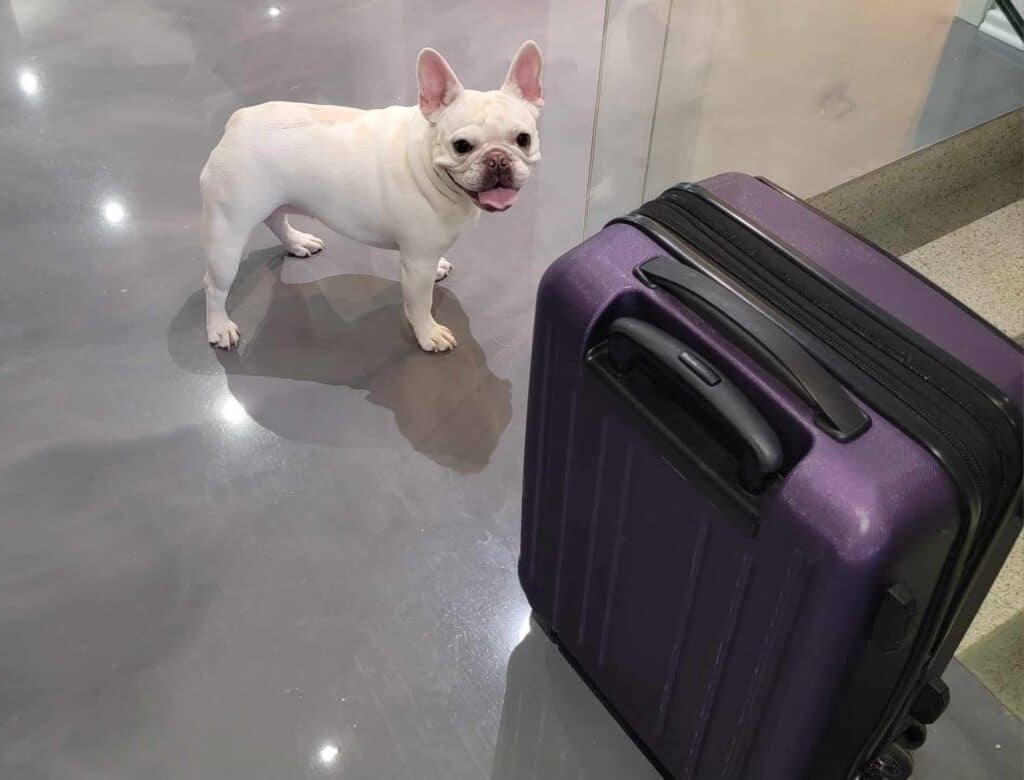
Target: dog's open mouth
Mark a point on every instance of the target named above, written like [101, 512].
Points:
[495, 199]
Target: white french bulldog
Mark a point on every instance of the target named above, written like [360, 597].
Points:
[406, 178]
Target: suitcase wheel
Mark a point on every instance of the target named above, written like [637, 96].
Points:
[894, 763]
[913, 736]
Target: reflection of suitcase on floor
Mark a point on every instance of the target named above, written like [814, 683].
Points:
[770, 474]
[552, 726]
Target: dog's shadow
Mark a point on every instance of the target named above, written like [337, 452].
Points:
[347, 333]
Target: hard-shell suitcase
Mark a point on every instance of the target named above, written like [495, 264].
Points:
[770, 474]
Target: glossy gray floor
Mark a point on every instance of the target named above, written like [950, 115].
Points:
[297, 560]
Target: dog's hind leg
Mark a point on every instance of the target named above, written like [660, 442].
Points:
[295, 241]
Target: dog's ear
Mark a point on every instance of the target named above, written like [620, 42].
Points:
[523, 79]
[438, 84]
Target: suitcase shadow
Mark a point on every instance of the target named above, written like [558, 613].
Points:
[342, 333]
[553, 727]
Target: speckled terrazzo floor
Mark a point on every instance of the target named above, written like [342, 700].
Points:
[939, 189]
[994, 647]
[982, 264]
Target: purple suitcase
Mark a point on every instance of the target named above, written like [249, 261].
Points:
[770, 474]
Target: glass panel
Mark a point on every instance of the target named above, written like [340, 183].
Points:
[807, 93]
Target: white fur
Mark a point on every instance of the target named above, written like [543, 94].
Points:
[389, 178]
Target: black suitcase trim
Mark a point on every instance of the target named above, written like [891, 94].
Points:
[893, 259]
[962, 461]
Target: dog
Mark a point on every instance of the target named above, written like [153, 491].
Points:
[410, 178]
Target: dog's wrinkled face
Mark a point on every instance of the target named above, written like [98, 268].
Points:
[486, 143]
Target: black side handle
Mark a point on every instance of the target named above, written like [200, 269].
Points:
[836, 413]
[631, 340]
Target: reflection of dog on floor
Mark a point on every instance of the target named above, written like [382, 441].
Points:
[329, 336]
[347, 331]
[406, 178]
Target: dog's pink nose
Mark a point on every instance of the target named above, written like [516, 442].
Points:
[496, 159]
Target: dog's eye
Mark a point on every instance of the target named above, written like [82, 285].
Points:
[523, 139]
[462, 146]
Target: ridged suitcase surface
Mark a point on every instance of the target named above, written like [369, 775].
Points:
[761, 568]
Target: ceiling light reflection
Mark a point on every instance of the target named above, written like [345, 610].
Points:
[114, 212]
[328, 754]
[524, 629]
[273, 11]
[233, 412]
[29, 82]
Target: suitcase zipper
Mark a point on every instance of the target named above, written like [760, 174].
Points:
[849, 353]
[967, 473]
[1001, 435]
[965, 440]
[895, 261]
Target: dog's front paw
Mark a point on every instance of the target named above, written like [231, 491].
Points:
[436, 338]
[223, 334]
[443, 269]
[301, 244]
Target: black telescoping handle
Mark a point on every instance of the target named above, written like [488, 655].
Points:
[631, 340]
[837, 414]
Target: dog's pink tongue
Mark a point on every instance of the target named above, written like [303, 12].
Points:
[498, 198]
